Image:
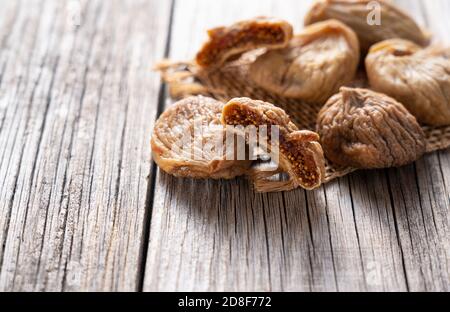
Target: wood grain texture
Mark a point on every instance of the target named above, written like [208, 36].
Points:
[77, 108]
[370, 231]
[77, 105]
[420, 192]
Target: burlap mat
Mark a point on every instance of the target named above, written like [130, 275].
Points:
[225, 83]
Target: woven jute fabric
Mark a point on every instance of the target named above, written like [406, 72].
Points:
[232, 80]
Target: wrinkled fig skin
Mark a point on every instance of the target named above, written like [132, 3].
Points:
[178, 120]
[354, 13]
[301, 155]
[363, 129]
[419, 78]
[243, 36]
[315, 64]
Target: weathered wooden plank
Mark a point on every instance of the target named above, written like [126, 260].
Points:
[218, 235]
[420, 192]
[80, 104]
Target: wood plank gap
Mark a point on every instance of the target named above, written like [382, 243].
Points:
[397, 235]
[162, 96]
[350, 191]
[330, 240]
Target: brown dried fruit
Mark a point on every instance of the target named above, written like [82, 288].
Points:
[364, 129]
[356, 14]
[226, 42]
[315, 64]
[446, 53]
[300, 154]
[179, 120]
[419, 78]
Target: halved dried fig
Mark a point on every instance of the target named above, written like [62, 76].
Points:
[181, 135]
[313, 66]
[419, 78]
[357, 14]
[300, 154]
[364, 129]
[226, 42]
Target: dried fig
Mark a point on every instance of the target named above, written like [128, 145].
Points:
[300, 154]
[176, 150]
[393, 23]
[226, 42]
[313, 66]
[364, 129]
[419, 78]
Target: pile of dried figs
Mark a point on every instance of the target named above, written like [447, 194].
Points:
[363, 128]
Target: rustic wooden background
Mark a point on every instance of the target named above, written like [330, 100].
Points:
[82, 207]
